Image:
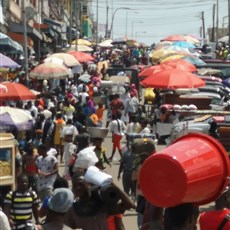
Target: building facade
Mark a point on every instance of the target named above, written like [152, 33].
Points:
[50, 24]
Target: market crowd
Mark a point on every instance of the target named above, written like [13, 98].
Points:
[43, 198]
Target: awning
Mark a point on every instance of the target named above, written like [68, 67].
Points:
[41, 26]
[18, 28]
[49, 21]
[57, 26]
[19, 38]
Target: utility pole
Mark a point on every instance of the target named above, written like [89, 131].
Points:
[25, 42]
[107, 19]
[97, 25]
[213, 23]
[203, 24]
[228, 24]
[217, 20]
[40, 12]
[126, 25]
[71, 22]
[76, 18]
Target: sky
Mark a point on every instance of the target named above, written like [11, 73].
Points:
[149, 21]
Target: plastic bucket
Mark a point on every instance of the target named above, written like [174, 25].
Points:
[194, 169]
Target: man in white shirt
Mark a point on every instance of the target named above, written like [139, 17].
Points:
[118, 128]
[47, 172]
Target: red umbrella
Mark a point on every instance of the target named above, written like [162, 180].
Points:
[181, 65]
[174, 38]
[81, 56]
[154, 69]
[16, 91]
[178, 64]
[173, 79]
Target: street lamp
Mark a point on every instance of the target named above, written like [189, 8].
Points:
[27, 13]
[25, 42]
[120, 8]
[133, 24]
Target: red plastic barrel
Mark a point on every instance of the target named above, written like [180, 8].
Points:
[193, 169]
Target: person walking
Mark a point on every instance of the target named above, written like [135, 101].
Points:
[58, 140]
[20, 205]
[90, 211]
[29, 166]
[117, 127]
[47, 172]
[126, 169]
[58, 205]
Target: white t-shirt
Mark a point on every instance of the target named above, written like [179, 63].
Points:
[46, 165]
[117, 129]
[4, 223]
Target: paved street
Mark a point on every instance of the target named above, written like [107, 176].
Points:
[130, 216]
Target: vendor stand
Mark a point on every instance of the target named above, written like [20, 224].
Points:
[7, 163]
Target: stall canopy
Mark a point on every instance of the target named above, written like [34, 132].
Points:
[18, 28]
[20, 38]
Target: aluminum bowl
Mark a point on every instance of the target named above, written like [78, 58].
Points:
[97, 132]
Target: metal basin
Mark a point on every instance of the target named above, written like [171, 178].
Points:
[98, 132]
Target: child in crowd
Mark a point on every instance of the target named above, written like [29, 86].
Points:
[100, 152]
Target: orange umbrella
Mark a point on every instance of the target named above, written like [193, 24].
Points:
[16, 91]
[81, 56]
[173, 79]
[181, 64]
[178, 64]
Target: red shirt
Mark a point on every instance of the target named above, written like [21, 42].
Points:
[116, 105]
[212, 219]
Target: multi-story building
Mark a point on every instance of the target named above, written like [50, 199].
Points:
[50, 24]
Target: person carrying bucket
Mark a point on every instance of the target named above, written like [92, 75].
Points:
[194, 169]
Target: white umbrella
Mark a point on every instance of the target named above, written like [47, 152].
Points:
[81, 48]
[14, 118]
[67, 59]
[106, 43]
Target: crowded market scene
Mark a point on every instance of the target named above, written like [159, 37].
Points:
[114, 115]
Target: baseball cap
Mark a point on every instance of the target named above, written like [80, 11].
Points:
[61, 200]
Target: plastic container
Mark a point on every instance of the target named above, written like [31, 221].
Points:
[194, 169]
